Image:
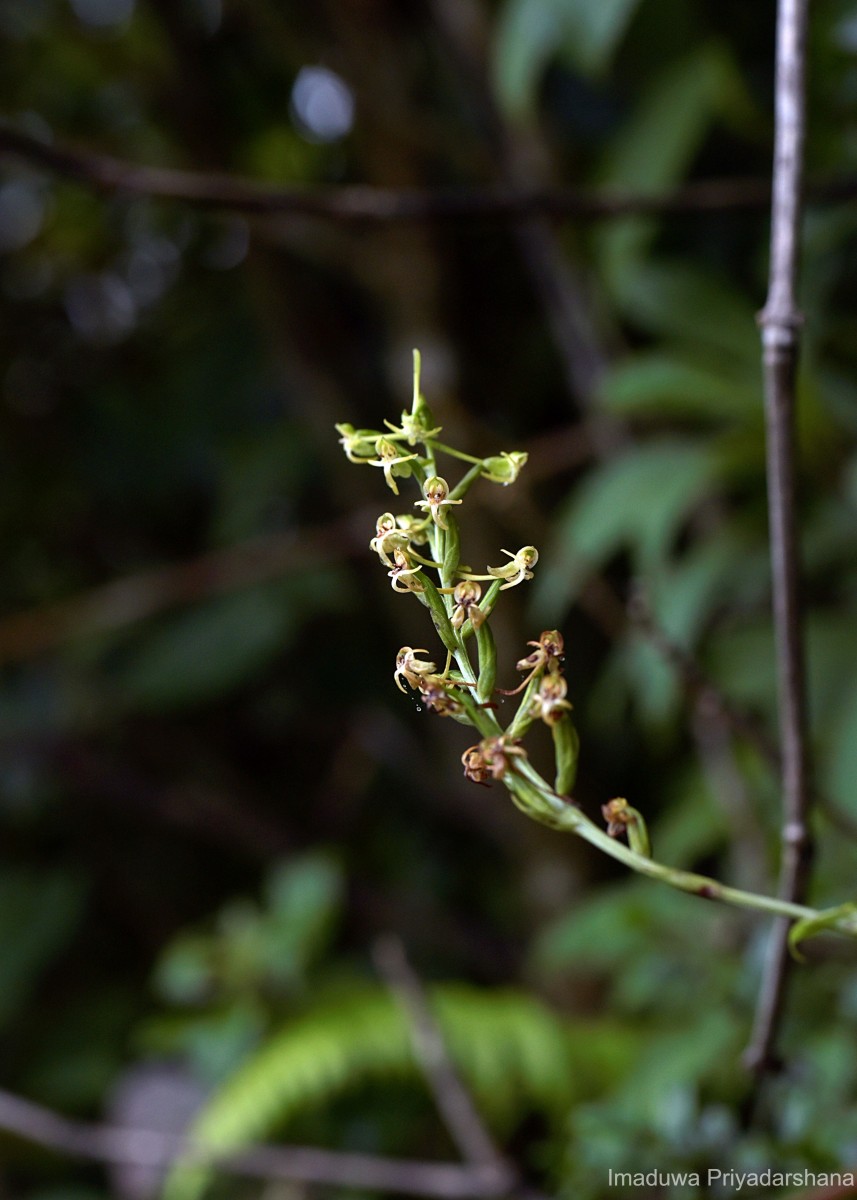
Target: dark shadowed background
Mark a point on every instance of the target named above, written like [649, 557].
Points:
[213, 800]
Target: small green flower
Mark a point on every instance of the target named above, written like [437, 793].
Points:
[391, 460]
[415, 527]
[504, 467]
[436, 497]
[358, 444]
[518, 569]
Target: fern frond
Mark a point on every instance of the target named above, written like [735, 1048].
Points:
[511, 1051]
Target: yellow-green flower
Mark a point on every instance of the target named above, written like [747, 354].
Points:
[518, 569]
[391, 460]
[358, 444]
[436, 498]
[504, 467]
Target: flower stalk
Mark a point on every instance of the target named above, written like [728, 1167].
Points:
[460, 611]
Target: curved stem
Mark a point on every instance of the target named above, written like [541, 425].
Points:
[535, 797]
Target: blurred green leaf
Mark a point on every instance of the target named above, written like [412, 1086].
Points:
[655, 148]
[204, 652]
[220, 644]
[660, 385]
[637, 501]
[532, 32]
[39, 913]
[304, 899]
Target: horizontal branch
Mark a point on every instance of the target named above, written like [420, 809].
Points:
[304, 1164]
[366, 204]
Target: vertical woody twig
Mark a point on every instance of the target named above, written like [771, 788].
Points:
[780, 322]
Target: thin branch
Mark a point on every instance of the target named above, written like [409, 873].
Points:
[372, 205]
[304, 1164]
[453, 1101]
[780, 321]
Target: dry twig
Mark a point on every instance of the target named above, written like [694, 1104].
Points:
[304, 1164]
[453, 1101]
[780, 322]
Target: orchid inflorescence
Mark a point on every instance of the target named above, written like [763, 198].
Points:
[420, 550]
[421, 553]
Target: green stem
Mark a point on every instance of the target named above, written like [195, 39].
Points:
[456, 453]
[452, 552]
[466, 481]
[487, 662]
[534, 796]
[440, 616]
[522, 720]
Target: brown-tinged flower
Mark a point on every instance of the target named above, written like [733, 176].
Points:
[466, 596]
[409, 667]
[475, 766]
[439, 698]
[549, 703]
[622, 818]
[548, 654]
[618, 814]
[492, 758]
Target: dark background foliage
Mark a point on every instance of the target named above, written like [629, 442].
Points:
[212, 798]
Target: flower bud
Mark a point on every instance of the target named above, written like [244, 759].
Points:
[505, 467]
